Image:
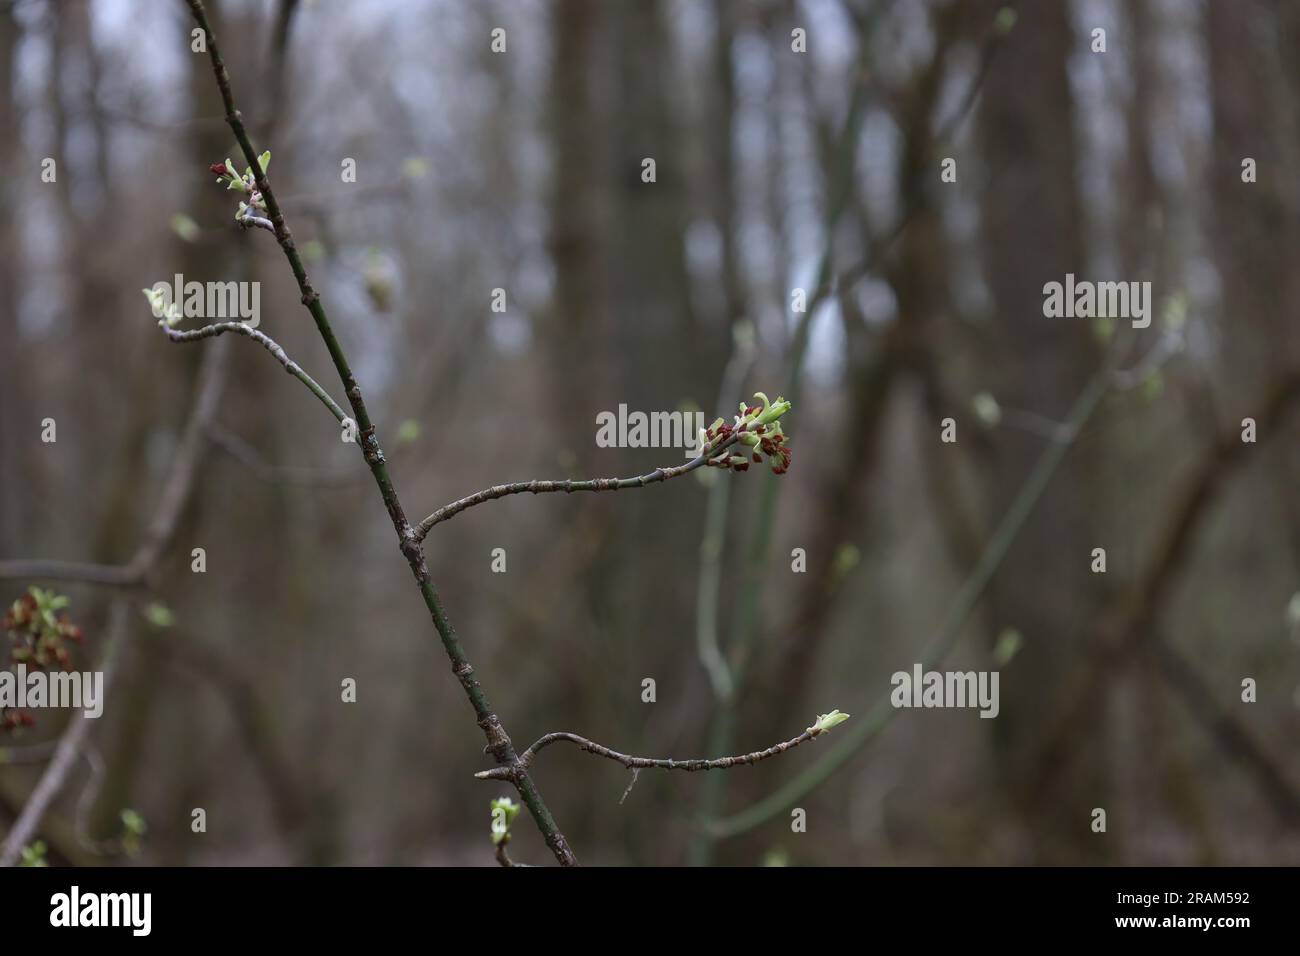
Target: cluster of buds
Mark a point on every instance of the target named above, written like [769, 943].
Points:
[38, 633]
[757, 427]
[247, 184]
[13, 719]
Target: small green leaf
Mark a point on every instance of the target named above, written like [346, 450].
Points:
[504, 811]
[159, 615]
[771, 412]
[1175, 311]
[408, 431]
[34, 855]
[847, 556]
[185, 227]
[264, 160]
[1007, 646]
[987, 409]
[826, 721]
[133, 822]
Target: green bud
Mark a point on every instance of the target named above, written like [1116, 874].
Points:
[504, 811]
[159, 615]
[987, 409]
[772, 412]
[826, 721]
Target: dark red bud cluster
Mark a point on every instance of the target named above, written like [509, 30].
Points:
[20, 614]
[723, 431]
[14, 719]
[220, 169]
[36, 641]
[777, 450]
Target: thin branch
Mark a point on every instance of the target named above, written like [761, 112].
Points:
[1232, 737]
[645, 763]
[1137, 618]
[185, 463]
[171, 503]
[636, 774]
[504, 858]
[447, 512]
[248, 221]
[109, 575]
[882, 712]
[498, 742]
[248, 456]
[268, 343]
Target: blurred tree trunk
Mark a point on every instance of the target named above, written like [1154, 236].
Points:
[1032, 235]
[17, 424]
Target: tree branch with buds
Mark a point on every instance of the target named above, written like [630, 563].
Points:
[820, 726]
[268, 343]
[756, 431]
[757, 426]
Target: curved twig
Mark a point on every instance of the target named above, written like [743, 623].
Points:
[643, 763]
[268, 343]
[591, 484]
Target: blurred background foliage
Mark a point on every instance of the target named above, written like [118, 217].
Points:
[521, 171]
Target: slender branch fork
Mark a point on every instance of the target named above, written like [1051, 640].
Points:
[290, 366]
[498, 742]
[511, 766]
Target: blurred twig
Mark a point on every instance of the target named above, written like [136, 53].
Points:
[964, 602]
[1135, 621]
[248, 456]
[828, 282]
[55, 777]
[177, 489]
[715, 528]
